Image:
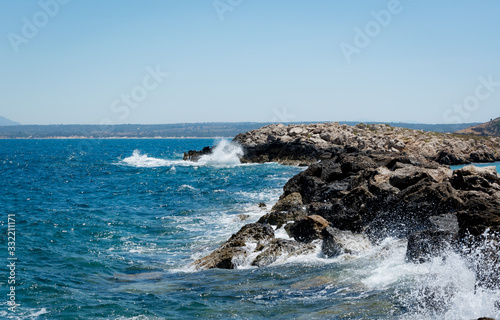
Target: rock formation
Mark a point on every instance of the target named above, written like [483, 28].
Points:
[306, 144]
[373, 182]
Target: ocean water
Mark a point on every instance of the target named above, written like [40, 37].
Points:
[108, 229]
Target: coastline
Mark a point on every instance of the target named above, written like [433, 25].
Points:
[108, 138]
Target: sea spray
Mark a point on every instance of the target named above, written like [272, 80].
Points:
[454, 285]
[226, 153]
[143, 161]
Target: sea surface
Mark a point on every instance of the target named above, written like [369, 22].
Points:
[108, 229]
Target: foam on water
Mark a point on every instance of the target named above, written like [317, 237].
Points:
[143, 161]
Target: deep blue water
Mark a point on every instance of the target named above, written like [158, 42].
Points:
[108, 229]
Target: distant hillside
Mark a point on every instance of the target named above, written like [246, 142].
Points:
[203, 130]
[491, 128]
[6, 122]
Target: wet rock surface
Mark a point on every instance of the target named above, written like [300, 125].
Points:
[368, 193]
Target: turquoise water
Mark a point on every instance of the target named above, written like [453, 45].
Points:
[108, 229]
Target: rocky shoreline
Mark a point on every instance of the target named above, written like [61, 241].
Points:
[306, 144]
[369, 186]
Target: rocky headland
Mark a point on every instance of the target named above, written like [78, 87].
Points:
[372, 182]
[307, 143]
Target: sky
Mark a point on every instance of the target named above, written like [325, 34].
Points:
[165, 61]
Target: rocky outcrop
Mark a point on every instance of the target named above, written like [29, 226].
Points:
[255, 244]
[372, 182]
[193, 155]
[358, 198]
[306, 144]
[238, 247]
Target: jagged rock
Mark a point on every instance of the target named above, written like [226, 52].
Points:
[193, 155]
[289, 208]
[375, 180]
[262, 205]
[308, 229]
[291, 201]
[236, 247]
[280, 247]
[427, 244]
[475, 178]
[337, 242]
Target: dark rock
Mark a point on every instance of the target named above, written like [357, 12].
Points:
[337, 242]
[448, 158]
[235, 248]
[427, 244]
[193, 155]
[288, 208]
[291, 201]
[280, 247]
[354, 163]
[308, 229]
[262, 205]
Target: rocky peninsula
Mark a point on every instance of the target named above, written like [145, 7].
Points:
[366, 183]
[307, 143]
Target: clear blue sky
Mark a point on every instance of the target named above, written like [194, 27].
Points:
[91, 61]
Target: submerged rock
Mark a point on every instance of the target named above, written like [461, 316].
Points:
[237, 247]
[278, 248]
[337, 242]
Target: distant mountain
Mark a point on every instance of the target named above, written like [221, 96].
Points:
[490, 128]
[6, 122]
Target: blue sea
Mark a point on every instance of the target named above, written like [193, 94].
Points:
[109, 229]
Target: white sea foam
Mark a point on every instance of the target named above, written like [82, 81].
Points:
[226, 153]
[143, 161]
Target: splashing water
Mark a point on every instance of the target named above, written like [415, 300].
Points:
[143, 161]
[226, 153]
[452, 289]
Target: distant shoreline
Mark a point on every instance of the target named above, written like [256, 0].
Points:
[172, 131]
[109, 138]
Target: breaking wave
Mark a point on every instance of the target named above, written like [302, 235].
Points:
[226, 153]
[143, 161]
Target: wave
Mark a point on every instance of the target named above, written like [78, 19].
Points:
[143, 161]
[443, 288]
[226, 153]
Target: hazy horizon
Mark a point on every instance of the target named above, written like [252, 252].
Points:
[167, 62]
